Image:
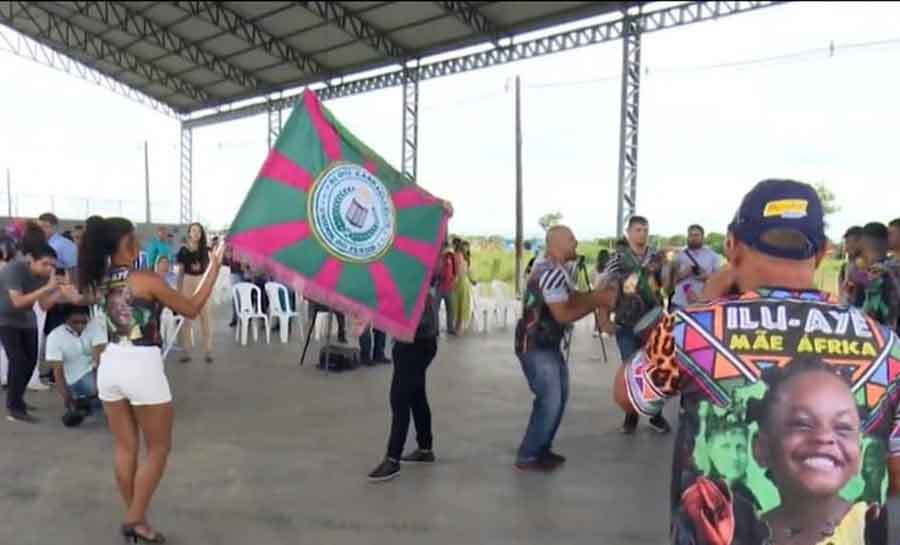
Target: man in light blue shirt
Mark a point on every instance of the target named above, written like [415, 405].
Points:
[66, 251]
[159, 247]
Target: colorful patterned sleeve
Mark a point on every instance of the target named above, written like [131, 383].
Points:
[895, 425]
[652, 375]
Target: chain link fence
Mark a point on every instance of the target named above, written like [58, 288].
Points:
[30, 205]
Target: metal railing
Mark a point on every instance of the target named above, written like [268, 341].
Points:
[29, 205]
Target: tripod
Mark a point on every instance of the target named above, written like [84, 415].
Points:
[309, 332]
[581, 272]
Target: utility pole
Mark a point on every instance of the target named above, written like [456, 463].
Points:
[9, 193]
[147, 179]
[518, 185]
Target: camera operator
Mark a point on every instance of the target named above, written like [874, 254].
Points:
[73, 350]
[551, 306]
[693, 266]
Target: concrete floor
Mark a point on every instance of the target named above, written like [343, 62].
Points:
[270, 453]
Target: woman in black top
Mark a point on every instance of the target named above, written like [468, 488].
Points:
[193, 259]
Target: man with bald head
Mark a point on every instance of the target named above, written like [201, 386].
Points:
[551, 305]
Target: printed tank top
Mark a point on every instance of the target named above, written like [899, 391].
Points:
[129, 319]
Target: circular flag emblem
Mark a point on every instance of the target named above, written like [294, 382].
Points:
[352, 213]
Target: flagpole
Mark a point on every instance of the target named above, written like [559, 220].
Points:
[147, 179]
[518, 186]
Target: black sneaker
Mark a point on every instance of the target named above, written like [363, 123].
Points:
[381, 360]
[554, 458]
[630, 424]
[388, 469]
[21, 416]
[419, 456]
[660, 424]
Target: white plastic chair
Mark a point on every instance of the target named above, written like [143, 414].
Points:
[278, 293]
[483, 309]
[247, 311]
[505, 302]
[222, 288]
[476, 319]
[321, 330]
[170, 325]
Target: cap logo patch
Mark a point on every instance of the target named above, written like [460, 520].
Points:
[786, 208]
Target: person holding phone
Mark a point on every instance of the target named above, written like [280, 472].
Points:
[25, 281]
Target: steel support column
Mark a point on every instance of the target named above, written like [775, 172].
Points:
[275, 124]
[410, 149]
[187, 167]
[629, 121]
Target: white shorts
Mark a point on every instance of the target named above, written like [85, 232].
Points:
[135, 373]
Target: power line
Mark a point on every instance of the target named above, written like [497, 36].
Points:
[806, 55]
[463, 101]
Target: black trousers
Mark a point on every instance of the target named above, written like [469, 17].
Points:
[22, 351]
[365, 344]
[408, 395]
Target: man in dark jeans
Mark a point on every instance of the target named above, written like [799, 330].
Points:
[23, 283]
[551, 306]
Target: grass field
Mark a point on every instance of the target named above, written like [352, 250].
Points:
[494, 264]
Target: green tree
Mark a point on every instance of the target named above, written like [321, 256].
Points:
[678, 240]
[716, 242]
[549, 220]
[608, 242]
[495, 242]
[828, 198]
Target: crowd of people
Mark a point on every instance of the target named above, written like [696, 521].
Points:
[782, 386]
[787, 392]
[50, 285]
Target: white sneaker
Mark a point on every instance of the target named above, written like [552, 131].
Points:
[39, 387]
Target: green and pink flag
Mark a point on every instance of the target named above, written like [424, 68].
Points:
[329, 217]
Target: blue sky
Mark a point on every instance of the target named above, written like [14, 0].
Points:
[707, 134]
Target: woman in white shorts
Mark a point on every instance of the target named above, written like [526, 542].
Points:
[130, 379]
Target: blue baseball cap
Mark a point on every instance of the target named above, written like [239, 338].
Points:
[783, 205]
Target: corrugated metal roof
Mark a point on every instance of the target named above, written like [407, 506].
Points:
[197, 55]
